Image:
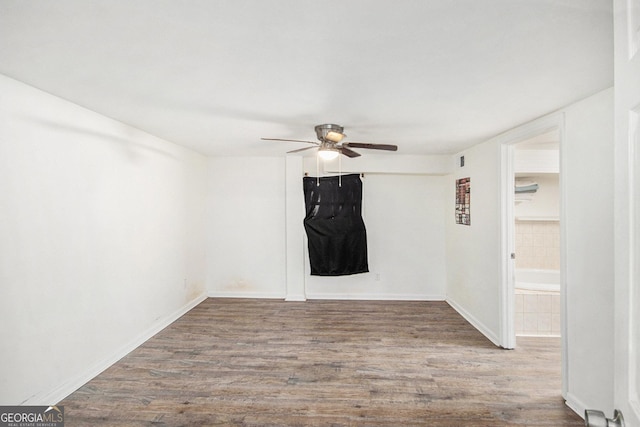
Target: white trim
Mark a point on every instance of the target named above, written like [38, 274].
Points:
[632, 273]
[47, 397]
[248, 295]
[329, 296]
[564, 335]
[294, 234]
[507, 264]
[292, 297]
[377, 297]
[627, 237]
[538, 218]
[539, 335]
[481, 327]
[576, 405]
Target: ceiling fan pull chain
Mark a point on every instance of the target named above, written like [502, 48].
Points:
[340, 171]
[317, 170]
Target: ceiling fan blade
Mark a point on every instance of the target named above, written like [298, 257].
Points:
[290, 140]
[300, 149]
[387, 147]
[348, 152]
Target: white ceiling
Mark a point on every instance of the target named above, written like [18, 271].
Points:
[433, 76]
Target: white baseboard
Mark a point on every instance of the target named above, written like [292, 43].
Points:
[257, 295]
[328, 296]
[294, 297]
[475, 322]
[576, 405]
[377, 297]
[48, 397]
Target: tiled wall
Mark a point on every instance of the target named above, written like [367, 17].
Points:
[537, 313]
[537, 247]
[538, 244]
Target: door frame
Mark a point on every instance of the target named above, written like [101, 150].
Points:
[627, 247]
[507, 265]
[627, 208]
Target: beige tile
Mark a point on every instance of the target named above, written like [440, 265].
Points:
[524, 253]
[538, 240]
[531, 303]
[538, 261]
[555, 304]
[519, 323]
[530, 323]
[555, 323]
[544, 303]
[536, 227]
[525, 226]
[544, 323]
[519, 306]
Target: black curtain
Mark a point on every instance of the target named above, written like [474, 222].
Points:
[333, 222]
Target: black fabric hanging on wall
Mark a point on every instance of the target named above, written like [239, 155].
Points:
[335, 229]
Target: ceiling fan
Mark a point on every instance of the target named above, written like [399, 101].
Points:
[331, 145]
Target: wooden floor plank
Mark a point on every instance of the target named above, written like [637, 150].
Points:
[345, 363]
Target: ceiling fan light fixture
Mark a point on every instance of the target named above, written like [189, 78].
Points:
[334, 136]
[330, 132]
[328, 153]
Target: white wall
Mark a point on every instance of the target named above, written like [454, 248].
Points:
[100, 241]
[246, 254]
[403, 211]
[404, 218]
[250, 228]
[536, 160]
[473, 270]
[473, 252]
[588, 185]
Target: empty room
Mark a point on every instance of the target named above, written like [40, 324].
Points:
[290, 212]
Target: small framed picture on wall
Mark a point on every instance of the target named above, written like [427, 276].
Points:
[463, 201]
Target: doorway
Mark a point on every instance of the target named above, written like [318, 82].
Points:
[533, 153]
[536, 222]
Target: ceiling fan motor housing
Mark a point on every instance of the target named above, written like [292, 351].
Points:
[330, 137]
[330, 133]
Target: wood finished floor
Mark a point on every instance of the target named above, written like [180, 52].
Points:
[326, 363]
